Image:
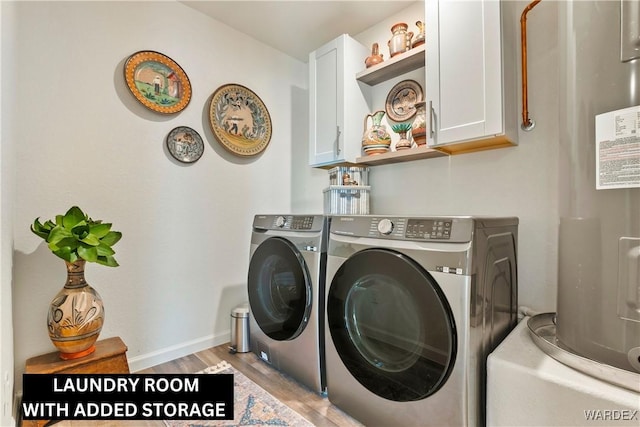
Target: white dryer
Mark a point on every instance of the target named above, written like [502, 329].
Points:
[286, 294]
[414, 306]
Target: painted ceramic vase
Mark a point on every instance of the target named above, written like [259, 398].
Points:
[375, 138]
[401, 129]
[419, 125]
[375, 57]
[76, 315]
[419, 40]
[400, 41]
[403, 143]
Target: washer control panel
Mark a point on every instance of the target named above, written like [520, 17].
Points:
[382, 227]
[438, 229]
[291, 222]
[288, 222]
[301, 222]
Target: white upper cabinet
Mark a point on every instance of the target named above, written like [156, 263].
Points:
[337, 102]
[469, 85]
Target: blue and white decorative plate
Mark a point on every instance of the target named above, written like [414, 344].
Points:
[185, 144]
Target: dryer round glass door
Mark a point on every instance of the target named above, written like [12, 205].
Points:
[279, 289]
[391, 325]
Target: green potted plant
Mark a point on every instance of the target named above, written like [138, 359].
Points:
[75, 236]
[76, 314]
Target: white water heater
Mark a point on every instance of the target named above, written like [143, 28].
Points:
[598, 311]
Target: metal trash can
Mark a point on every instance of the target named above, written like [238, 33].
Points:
[240, 329]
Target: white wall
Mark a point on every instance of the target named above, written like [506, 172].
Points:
[81, 138]
[520, 181]
[7, 184]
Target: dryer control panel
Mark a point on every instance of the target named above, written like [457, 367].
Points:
[288, 222]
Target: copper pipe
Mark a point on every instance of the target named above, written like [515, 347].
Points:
[527, 123]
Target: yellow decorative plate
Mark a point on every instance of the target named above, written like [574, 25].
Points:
[239, 120]
[157, 82]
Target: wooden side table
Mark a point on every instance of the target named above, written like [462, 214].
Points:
[109, 358]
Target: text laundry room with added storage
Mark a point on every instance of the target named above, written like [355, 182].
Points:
[332, 214]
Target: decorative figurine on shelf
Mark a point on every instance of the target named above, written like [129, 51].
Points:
[375, 57]
[420, 37]
[346, 180]
[402, 129]
[375, 139]
[419, 125]
[400, 40]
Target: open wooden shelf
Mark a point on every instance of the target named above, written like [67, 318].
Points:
[422, 152]
[393, 67]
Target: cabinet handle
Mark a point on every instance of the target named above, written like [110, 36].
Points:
[431, 132]
[337, 141]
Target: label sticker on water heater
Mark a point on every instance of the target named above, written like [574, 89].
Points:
[618, 149]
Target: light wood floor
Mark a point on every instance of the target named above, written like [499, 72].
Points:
[314, 407]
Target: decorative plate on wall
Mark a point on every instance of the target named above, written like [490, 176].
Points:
[239, 120]
[401, 100]
[157, 82]
[185, 144]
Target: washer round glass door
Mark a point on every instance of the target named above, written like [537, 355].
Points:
[391, 325]
[279, 289]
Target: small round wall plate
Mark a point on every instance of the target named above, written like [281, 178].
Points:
[185, 144]
[401, 100]
[239, 120]
[157, 81]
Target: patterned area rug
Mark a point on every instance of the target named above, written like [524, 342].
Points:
[253, 405]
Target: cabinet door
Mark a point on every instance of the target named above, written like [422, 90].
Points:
[337, 102]
[464, 70]
[324, 121]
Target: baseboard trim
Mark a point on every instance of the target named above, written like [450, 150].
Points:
[16, 416]
[167, 354]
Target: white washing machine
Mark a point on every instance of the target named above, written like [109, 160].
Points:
[286, 294]
[414, 306]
